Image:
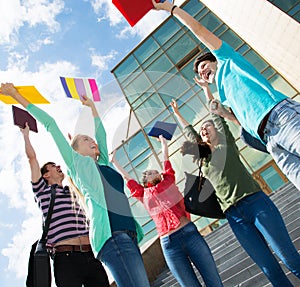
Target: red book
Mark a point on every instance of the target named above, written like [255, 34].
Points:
[133, 10]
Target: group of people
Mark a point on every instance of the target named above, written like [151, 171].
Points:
[103, 229]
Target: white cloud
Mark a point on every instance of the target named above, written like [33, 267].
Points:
[11, 19]
[145, 26]
[18, 249]
[108, 10]
[43, 12]
[102, 61]
[39, 43]
[32, 12]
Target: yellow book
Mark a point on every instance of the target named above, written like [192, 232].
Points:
[30, 93]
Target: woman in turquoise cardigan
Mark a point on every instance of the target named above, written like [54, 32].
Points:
[114, 233]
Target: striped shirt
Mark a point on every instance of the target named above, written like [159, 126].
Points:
[68, 219]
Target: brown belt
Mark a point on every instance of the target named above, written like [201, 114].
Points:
[71, 248]
[262, 126]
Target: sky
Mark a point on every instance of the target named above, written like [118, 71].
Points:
[41, 40]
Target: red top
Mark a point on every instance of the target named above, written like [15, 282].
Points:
[163, 201]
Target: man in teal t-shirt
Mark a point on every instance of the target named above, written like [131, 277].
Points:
[262, 111]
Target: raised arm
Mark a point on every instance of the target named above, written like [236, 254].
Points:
[164, 148]
[183, 122]
[217, 108]
[205, 86]
[100, 132]
[89, 103]
[9, 90]
[119, 168]
[49, 123]
[214, 105]
[30, 153]
[211, 41]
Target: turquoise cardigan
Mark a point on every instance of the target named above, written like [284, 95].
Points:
[85, 174]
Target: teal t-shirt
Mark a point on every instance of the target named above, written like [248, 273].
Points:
[244, 89]
[86, 176]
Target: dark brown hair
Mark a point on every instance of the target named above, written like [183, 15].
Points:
[44, 168]
[208, 56]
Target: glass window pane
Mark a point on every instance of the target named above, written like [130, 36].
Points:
[152, 58]
[149, 109]
[281, 85]
[146, 50]
[156, 69]
[174, 87]
[284, 5]
[255, 158]
[182, 47]
[255, 60]
[170, 29]
[136, 145]
[193, 7]
[149, 163]
[141, 157]
[140, 99]
[269, 72]
[230, 37]
[127, 67]
[174, 39]
[165, 78]
[187, 71]
[211, 22]
[139, 85]
[203, 222]
[272, 178]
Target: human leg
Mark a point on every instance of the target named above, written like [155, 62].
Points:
[178, 261]
[270, 223]
[199, 252]
[242, 220]
[94, 273]
[67, 269]
[282, 135]
[123, 258]
[185, 246]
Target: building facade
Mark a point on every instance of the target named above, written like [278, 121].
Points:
[159, 69]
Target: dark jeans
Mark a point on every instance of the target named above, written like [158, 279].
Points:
[257, 222]
[77, 269]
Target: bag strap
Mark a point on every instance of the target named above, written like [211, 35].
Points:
[200, 174]
[199, 166]
[49, 215]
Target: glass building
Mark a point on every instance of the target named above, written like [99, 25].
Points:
[159, 69]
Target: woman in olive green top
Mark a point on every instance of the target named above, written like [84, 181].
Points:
[253, 217]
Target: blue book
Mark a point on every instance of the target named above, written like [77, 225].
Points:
[163, 128]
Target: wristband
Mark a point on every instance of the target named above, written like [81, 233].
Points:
[174, 6]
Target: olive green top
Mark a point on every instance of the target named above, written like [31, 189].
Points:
[223, 167]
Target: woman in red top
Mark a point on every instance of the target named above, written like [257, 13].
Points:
[181, 242]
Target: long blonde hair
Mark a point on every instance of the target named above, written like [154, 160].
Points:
[78, 195]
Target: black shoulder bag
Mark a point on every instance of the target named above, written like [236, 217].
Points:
[200, 197]
[39, 267]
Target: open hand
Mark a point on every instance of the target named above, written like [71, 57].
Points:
[200, 82]
[174, 106]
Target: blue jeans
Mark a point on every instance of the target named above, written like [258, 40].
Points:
[121, 255]
[257, 222]
[185, 246]
[282, 135]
